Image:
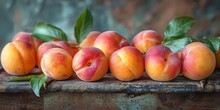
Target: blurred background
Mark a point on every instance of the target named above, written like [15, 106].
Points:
[127, 17]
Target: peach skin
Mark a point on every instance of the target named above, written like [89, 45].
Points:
[18, 58]
[90, 39]
[198, 61]
[56, 64]
[161, 64]
[109, 42]
[70, 47]
[218, 57]
[146, 39]
[43, 49]
[127, 64]
[90, 64]
[27, 37]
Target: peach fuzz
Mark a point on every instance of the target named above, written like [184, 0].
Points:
[90, 39]
[109, 42]
[18, 58]
[127, 64]
[146, 39]
[56, 64]
[70, 47]
[27, 37]
[90, 64]
[198, 61]
[161, 64]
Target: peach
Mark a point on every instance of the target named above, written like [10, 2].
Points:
[198, 61]
[179, 53]
[146, 39]
[90, 64]
[27, 37]
[70, 47]
[90, 39]
[56, 64]
[109, 42]
[42, 50]
[18, 58]
[218, 57]
[127, 64]
[161, 64]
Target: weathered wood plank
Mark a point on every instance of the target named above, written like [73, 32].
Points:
[124, 101]
[110, 101]
[20, 101]
[111, 84]
[109, 93]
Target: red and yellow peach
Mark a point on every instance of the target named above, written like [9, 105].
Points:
[161, 64]
[27, 37]
[90, 39]
[146, 39]
[127, 63]
[18, 58]
[198, 61]
[56, 64]
[109, 42]
[70, 47]
[90, 64]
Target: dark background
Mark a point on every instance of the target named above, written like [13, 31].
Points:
[128, 17]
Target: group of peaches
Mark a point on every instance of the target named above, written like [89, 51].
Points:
[100, 52]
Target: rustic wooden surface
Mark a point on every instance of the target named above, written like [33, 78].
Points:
[20, 101]
[111, 84]
[110, 101]
[111, 94]
[123, 101]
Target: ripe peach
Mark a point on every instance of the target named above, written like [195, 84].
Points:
[27, 37]
[42, 50]
[161, 64]
[90, 64]
[127, 63]
[109, 42]
[70, 47]
[146, 39]
[218, 57]
[198, 61]
[90, 39]
[18, 58]
[56, 64]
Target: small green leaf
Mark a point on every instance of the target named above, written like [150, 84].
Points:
[22, 78]
[177, 43]
[83, 25]
[37, 82]
[212, 42]
[47, 32]
[179, 26]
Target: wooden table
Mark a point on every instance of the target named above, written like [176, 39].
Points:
[109, 93]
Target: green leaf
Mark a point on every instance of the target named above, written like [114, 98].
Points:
[179, 26]
[23, 78]
[47, 32]
[83, 25]
[37, 82]
[177, 43]
[212, 42]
